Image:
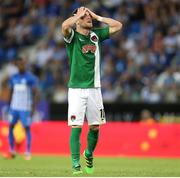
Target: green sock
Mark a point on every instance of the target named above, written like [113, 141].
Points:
[75, 146]
[92, 141]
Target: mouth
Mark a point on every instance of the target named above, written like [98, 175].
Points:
[89, 21]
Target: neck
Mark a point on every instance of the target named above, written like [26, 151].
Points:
[22, 72]
[83, 31]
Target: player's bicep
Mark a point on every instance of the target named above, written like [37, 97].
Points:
[66, 32]
[69, 36]
[113, 30]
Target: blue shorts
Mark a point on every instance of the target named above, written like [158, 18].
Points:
[23, 116]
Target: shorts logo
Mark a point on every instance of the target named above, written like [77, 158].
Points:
[73, 117]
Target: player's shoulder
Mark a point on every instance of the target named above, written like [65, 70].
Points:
[14, 76]
[30, 75]
[95, 29]
[33, 78]
[100, 29]
[13, 79]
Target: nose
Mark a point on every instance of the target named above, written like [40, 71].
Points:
[89, 17]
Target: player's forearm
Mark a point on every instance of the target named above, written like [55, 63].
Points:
[36, 98]
[109, 21]
[68, 24]
[9, 97]
[114, 25]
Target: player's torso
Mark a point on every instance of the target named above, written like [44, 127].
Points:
[21, 82]
[21, 96]
[84, 61]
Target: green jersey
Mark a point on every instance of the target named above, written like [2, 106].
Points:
[84, 56]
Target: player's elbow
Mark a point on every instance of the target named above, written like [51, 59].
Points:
[64, 27]
[118, 26]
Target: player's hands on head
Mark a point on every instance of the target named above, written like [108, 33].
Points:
[81, 12]
[93, 15]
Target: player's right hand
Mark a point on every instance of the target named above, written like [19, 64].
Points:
[93, 15]
[81, 12]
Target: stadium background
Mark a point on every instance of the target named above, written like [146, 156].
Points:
[140, 73]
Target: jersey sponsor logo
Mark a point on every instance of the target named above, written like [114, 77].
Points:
[94, 38]
[20, 87]
[89, 48]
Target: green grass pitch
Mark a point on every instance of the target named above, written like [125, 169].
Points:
[49, 166]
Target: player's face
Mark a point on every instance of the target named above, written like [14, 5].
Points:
[21, 65]
[86, 21]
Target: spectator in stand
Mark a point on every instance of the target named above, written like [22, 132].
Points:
[136, 61]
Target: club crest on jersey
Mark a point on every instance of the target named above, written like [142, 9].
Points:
[73, 117]
[94, 38]
[89, 48]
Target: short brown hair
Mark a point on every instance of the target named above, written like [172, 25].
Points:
[74, 11]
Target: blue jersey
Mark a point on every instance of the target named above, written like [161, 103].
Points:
[22, 86]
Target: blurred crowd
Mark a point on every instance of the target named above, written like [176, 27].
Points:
[139, 64]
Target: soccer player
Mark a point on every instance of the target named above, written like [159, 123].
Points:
[23, 99]
[83, 46]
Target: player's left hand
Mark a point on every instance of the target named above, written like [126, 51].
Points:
[81, 12]
[93, 15]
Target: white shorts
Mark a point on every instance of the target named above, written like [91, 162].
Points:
[85, 102]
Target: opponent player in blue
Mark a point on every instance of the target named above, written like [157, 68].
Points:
[23, 99]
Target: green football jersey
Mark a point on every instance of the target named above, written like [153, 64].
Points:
[84, 56]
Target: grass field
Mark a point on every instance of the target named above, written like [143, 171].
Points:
[49, 166]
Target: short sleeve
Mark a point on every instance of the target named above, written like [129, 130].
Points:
[69, 39]
[102, 33]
